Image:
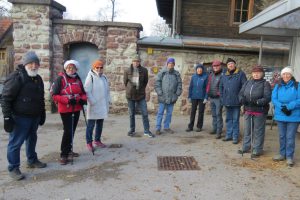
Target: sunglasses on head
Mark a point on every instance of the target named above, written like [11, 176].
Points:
[98, 67]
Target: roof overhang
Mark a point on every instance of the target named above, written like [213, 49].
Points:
[281, 18]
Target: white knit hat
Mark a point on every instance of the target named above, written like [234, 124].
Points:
[74, 62]
[287, 69]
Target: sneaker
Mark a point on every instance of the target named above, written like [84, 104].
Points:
[16, 174]
[90, 147]
[157, 132]
[63, 160]
[218, 136]
[188, 129]
[149, 134]
[74, 154]
[99, 144]
[290, 162]
[36, 164]
[198, 129]
[168, 130]
[278, 158]
[131, 133]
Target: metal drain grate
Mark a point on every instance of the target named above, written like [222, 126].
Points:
[177, 163]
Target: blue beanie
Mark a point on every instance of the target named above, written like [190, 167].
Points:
[171, 60]
[30, 57]
[199, 65]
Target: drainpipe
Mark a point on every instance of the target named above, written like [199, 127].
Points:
[174, 18]
[260, 49]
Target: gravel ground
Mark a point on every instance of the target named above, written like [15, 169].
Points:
[131, 172]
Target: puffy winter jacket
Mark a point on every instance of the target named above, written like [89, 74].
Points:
[65, 88]
[23, 95]
[168, 86]
[255, 95]
[288, 95]
[230, 86]
[197, 88]
[97, 91]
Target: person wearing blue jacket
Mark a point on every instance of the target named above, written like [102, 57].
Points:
[230, 86]
[286, 100]
[198, 97]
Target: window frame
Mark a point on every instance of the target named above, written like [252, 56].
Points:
[232, 12]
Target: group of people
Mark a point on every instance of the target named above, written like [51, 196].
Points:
[23, 105]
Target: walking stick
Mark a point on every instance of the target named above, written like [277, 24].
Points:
[72, 133]
[83, 111]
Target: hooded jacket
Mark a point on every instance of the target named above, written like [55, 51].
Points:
[198, 84]
[288, 95]
[168, 86]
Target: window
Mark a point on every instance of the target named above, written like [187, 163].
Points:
[241, 11]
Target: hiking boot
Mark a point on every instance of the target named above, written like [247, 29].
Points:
[218, 136]
[149, 134]
[99, 144]
[74, 154]
[227, 139]
[290, 162]
[189, 130]
[212, 132]
[198, 129]
[235, 142]
[16, 174]
[131, 133]
[63, 160]
[157, 132]
[36, 164]
[240, 151]
[278, 158]
[168, 130]
[90, 147]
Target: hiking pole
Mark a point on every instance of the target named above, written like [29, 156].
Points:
[72, 133]
[84, 116]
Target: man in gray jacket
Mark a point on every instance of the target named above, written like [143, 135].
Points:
[168, 86]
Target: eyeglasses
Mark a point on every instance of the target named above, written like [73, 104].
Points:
[98, 68]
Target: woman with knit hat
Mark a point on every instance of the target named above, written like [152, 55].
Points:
[97, 90]
[286, 100]
[69, 95]
[255, 95]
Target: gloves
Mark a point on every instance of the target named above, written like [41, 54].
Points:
[204, 101]
[82, 102]
[72, 102]
[9, 124]
[286, 111]
[42, 118]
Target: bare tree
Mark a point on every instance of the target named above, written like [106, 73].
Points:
[113, 10]
[104, 13]
[160, 28]
[264, 4]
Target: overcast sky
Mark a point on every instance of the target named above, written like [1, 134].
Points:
[140, 11]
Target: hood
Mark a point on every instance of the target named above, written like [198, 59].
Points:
[202, 67]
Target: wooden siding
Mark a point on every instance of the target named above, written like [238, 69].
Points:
[208, 19]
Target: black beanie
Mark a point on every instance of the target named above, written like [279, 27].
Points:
[230, 60]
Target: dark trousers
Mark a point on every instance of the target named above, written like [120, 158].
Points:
[197, 103]
[66, 142]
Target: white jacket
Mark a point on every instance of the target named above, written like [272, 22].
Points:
[98, 94]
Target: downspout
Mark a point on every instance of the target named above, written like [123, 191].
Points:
[174, 19]
[260, 49]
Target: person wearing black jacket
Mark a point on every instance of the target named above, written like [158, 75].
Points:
[23, 108]
[255, 95]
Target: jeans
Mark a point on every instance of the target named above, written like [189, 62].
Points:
[216, 113]
[90, 127]
[258, 132]
[25, 129]
[287, 134]
[195, 103]
[143, 107]
[160, 114]
[232, 122]
[68, 137]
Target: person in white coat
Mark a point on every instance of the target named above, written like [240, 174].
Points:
[98, 100]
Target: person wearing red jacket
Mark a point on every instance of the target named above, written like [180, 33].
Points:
[69, 95]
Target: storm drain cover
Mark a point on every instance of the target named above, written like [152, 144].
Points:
[177, 163]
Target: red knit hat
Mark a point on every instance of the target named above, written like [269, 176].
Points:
[97, 63]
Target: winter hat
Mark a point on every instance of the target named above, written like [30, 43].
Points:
[74, 62]
[287, 69]
[171, 60]
[258, 68]
[29, 57]
[216, 63]
[97, 63]
[230, 60]
[136, 58]
[199, 65]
